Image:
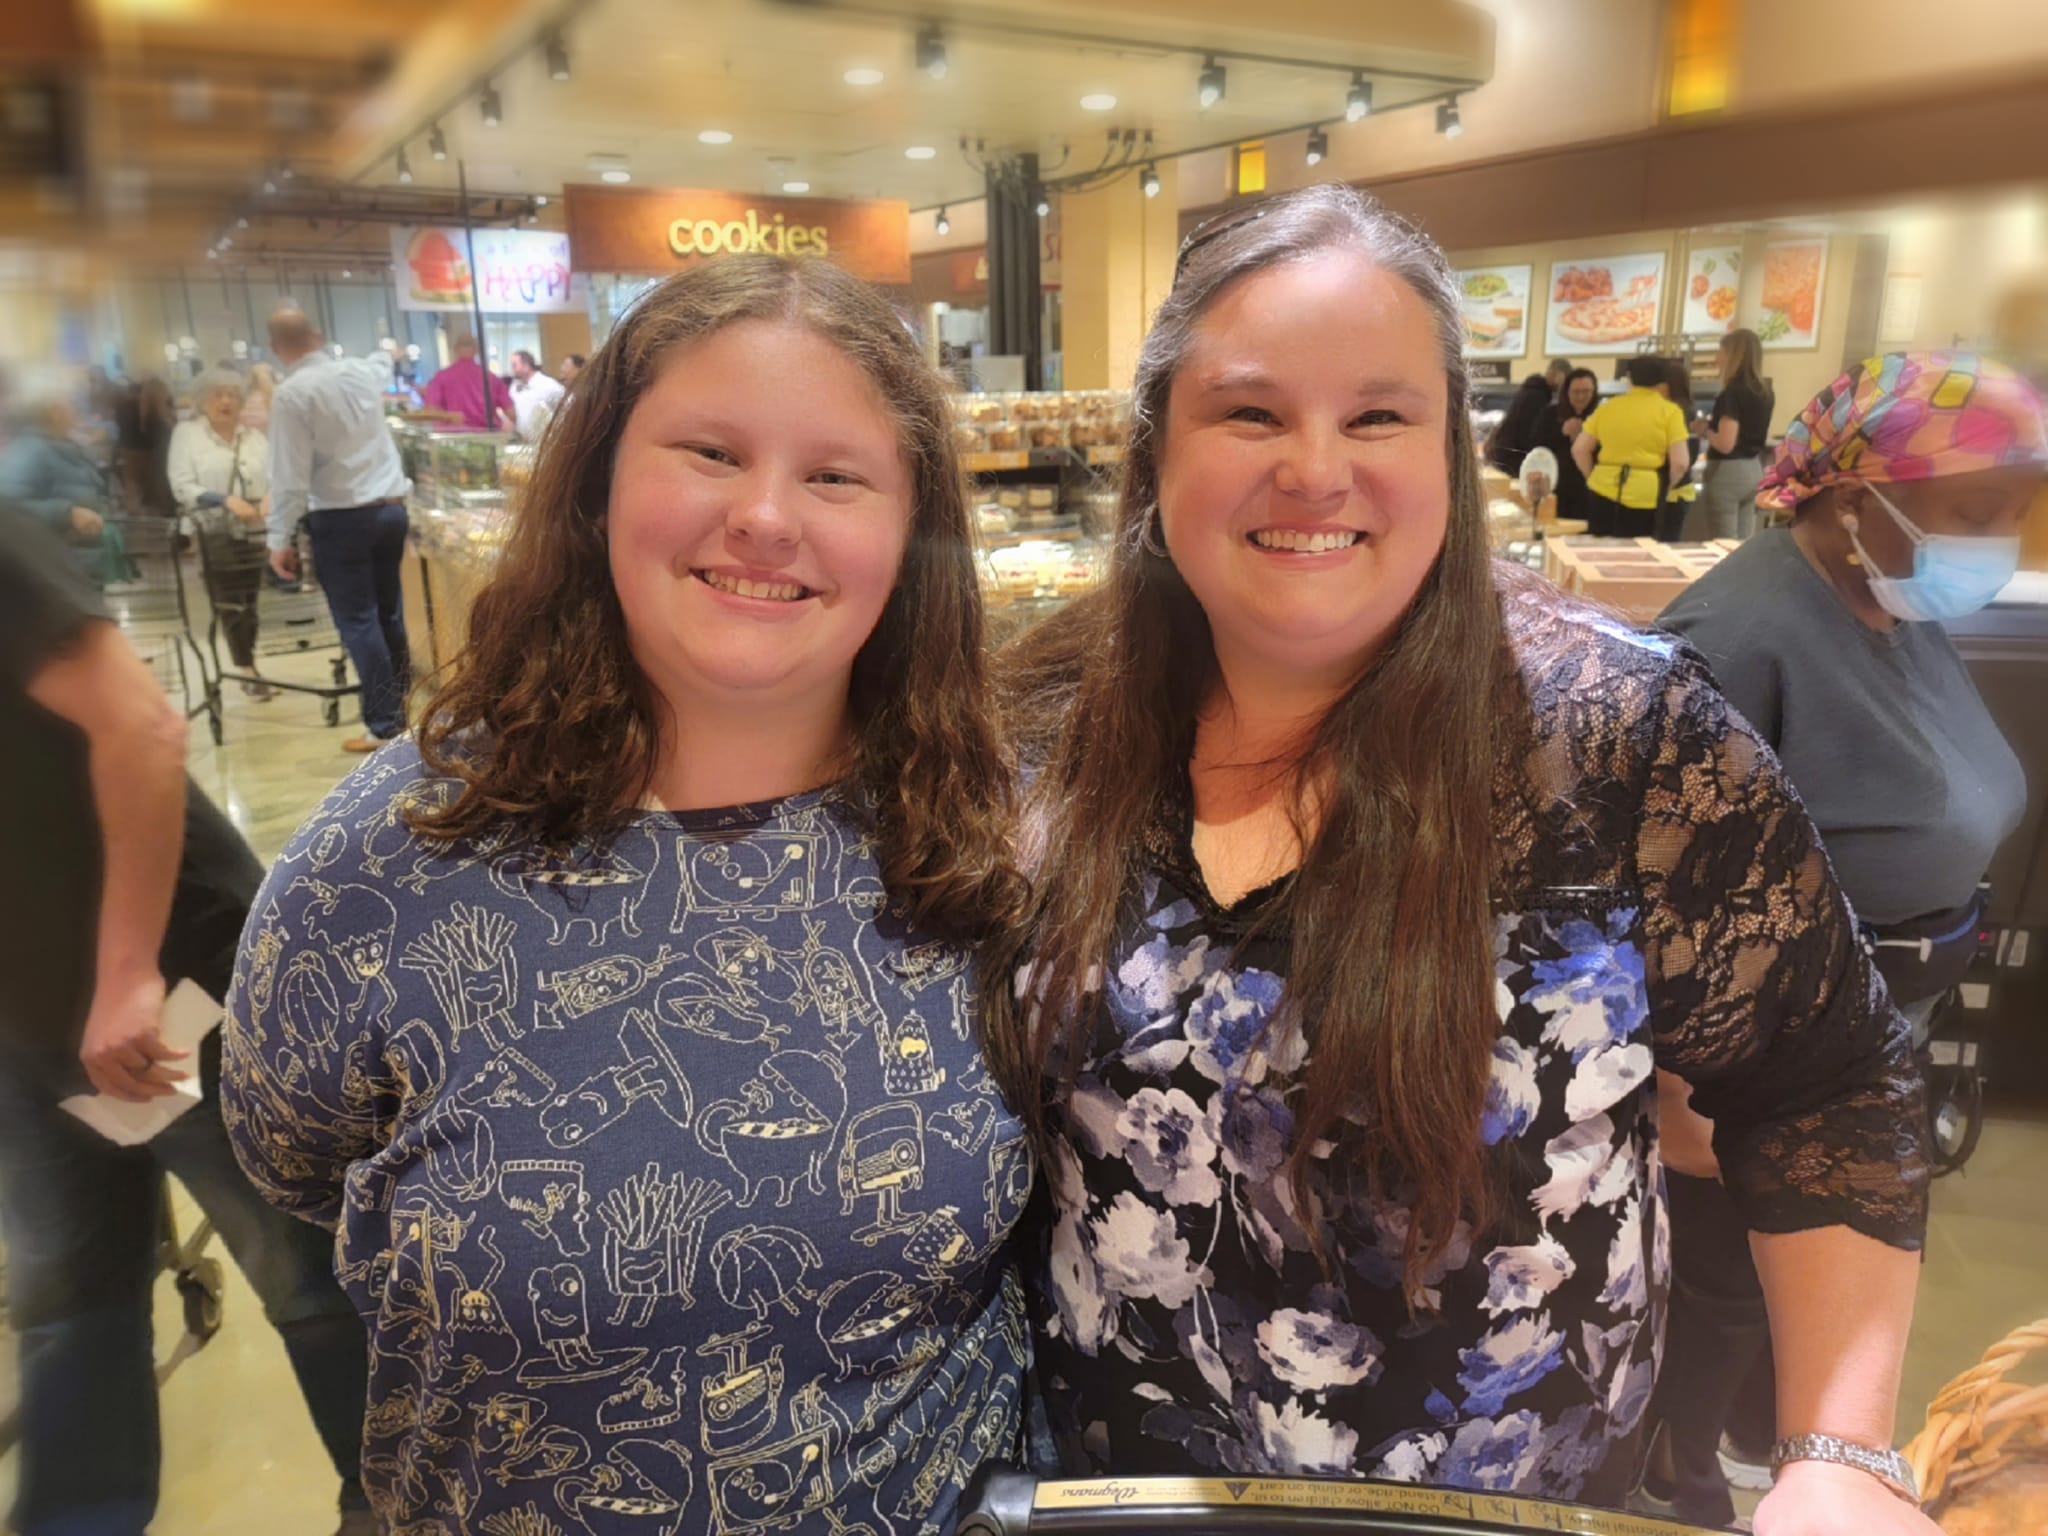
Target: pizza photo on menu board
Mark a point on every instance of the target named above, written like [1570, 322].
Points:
[1793, 273]
[1495, 303]
[1604, 304]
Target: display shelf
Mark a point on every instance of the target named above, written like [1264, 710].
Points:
[1041, 458]
[1063, 529]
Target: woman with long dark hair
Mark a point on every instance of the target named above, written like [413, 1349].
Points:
[1739, 439]
[622, 1025]
[1372, 884]
[1559, 428]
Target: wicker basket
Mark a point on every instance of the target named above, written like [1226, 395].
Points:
[1982, 1460]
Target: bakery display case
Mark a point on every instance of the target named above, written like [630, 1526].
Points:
[1042, 468]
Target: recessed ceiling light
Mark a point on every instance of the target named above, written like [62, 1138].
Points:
[920, 152]
[714, 136]
[794, 187]
[1099, 101]
[617, 175]
[863, 77]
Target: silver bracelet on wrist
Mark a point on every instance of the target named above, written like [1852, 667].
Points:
[1887, 1466]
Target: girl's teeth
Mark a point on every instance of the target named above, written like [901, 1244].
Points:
[739, 586]
[1304, 543]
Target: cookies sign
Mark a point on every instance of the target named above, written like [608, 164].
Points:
[647, 230]
[1605, 304]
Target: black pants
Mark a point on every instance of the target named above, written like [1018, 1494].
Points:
[232, 581]
[1608, 519]
[1717, 1349]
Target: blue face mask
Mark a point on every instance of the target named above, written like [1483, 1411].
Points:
[1953, 574]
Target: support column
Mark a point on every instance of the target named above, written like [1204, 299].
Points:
[1015, 313]
[1117, 267]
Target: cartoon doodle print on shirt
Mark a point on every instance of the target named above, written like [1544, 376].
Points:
[650, 1397]
[643, 1489]
[358, 928]
[762, 1268]
[651, 1071]
[585, 989]
[600, 892]
[730, 879]
[550, 1199]
[561, 1317]
[882, 1159]
[738, 1405]
[782, 1128]
[653, 1228]
[862, 1321]
[506, 1080]
[466, 958]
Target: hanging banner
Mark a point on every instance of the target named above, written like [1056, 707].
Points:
[658, 231]
[518, 271]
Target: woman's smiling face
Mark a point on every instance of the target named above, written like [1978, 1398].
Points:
[1304, 486]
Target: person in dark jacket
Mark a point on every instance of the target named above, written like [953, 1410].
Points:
[1556, 430]
[119, 879]
[1518, 429]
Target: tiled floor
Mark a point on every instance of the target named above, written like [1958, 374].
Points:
[240, 1456]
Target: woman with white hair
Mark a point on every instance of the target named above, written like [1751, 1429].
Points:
[220, 475]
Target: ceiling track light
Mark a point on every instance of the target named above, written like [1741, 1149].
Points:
[1148, 181]
[1358, 100]
[558, 58]
[1211, 84]
[437, 143]
[404, 168]
[492, 108]
[1318, 146]
[931, 53]
[1447, 121]
[943, 224]
[1044, 203]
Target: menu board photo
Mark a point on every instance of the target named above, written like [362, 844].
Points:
[1713, 279]
[1794, 272]
[1605, 304]
[1496, 305]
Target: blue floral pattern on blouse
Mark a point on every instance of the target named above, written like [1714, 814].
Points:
[1656, 916]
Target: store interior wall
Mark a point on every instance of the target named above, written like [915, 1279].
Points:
[1797, 52]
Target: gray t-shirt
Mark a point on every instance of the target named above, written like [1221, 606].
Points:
[1883, 735]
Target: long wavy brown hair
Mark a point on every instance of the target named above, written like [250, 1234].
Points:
[1392, 957]
[549, 724]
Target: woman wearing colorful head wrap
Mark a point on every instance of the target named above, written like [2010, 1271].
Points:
[1907, 479]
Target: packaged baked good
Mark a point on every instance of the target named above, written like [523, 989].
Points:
[1042, 497]
[982, 409]
[1005, 438]
[1010, 500]
[968, 438]
[1047, 434]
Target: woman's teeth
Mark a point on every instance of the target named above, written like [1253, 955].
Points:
[739, 586]
[1305, 543]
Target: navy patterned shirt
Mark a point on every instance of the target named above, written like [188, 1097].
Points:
[666, 1176]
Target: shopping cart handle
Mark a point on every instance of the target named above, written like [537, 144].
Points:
[1001, 1502]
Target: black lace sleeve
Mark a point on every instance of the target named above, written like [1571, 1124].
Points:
[1762, 996]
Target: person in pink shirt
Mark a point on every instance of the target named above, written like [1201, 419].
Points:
[459, 388]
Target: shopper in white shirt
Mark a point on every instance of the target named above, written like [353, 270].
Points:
[220, 476]
[534, 396]
[334, 463]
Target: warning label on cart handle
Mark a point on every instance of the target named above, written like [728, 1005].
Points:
[1502, 1511]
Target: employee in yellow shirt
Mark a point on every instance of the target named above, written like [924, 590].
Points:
[1632, 450]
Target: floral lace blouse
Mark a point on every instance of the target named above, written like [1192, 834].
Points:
[1661, 901]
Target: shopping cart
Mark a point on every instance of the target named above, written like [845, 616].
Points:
[142, 584]
[245, 600]
[1006, 1503]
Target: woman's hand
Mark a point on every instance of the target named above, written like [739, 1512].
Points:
[243, 510]
[1574, 427]
[1818, 1498]
[86, 523]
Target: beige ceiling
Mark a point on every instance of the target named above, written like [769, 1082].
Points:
[649, 75]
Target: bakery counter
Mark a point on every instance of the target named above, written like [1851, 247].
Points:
[447, 563]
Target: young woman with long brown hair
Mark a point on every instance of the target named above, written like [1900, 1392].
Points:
[1372, 883]
[623, 1024]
